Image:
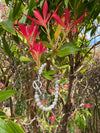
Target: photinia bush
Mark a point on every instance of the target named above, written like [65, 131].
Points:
[31, 32]
[54, 32]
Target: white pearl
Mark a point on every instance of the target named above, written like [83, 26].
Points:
[36, 96]
[49, 108]
[46, 109]
[40, 72]
[56, 92]
[56, 88]
[52, 106]
[54, 103]
[41, 106]
[37, 99]
[51, 67]
[56, 84]
[38, 104]
[55, 100]
[56, 96]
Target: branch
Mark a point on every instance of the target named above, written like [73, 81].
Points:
[93, 47]
[47, 69]
[94, 38]
[82, 58]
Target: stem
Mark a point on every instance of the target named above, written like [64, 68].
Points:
[68, 106]
[49, 37]
[48, 61]
[32, 106]
[62, 41]
[11, 107]
[57, 42]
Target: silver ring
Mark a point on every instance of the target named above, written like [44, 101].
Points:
[35, 84]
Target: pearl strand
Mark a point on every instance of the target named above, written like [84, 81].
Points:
[37, 99]
[42, 67]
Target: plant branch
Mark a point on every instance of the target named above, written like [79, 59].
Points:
[47, 69]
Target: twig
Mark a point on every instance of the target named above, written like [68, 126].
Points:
[27, 124]
[47, 69]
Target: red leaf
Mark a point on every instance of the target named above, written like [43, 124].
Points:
[38, 16]
[29, 17]
[23, 30]
[45, 9]
[58, 19]
[52, 119]
[78, 20]
[87, 105]
[17, 30]
[35, 46]
[42, 49]
[36, 21]
[32, 28]
[67, 17]
[27, 29]
[48, 16]
[40, 46]
[35, 31]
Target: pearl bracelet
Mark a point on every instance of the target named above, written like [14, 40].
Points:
[37, 88]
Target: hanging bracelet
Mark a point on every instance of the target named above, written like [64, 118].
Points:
[37, 84]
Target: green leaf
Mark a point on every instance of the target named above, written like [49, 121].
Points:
[14, 48]
[4, 128]
[32, 4]
[83, 70]
[63, 80]
[7, 87]
[71, 127]
[7, 94]
[67, 49]
[23, 58]
[8, 26]
[16, 9]
[15, 127]
[23, 19]
[49, 46]
[92, 61]
[66, 2]
[51, 72]
[64, 66]
[35, 68]
[80, 121]
[98, 19]
[88, 113]
[47, 76]
[2, 114]
[6, 47]
[47, 114]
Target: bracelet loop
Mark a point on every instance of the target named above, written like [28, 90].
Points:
[37, 84]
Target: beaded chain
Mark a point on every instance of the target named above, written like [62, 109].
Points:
[37, 84]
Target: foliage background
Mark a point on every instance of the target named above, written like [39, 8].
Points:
[16, 73]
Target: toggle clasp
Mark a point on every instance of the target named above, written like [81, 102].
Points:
[37, 84]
